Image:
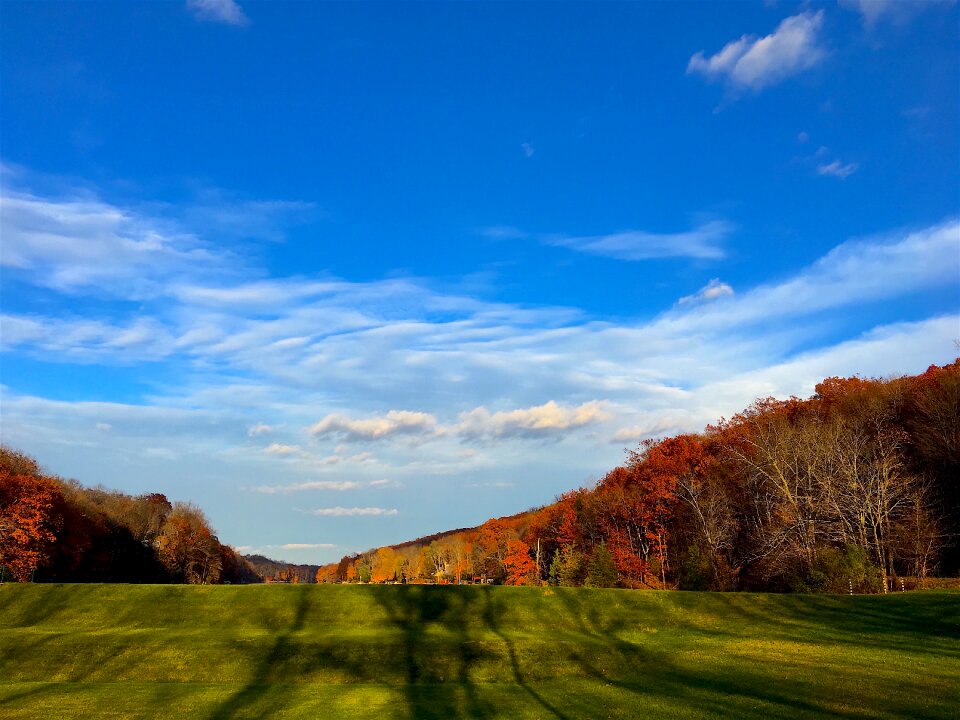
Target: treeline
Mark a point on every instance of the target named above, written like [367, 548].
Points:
[854, 489]
[276, 571]
[56, 530]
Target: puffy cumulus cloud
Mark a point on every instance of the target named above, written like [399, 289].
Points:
[713, 290]
[702, 242]
[395, 422]
[549, 419]
[349, 512]
[226, 12]
[752, 63]
[282, 450]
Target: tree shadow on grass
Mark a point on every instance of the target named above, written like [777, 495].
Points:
[257, 697]
[735, 687]
[493, 611]
[432, 621]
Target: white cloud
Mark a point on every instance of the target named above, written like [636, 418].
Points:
[654, 424]
[77, 242]
[752, 63]
[713, 290]
[837, 169]
[103, 426]
[346, 512]
[896, 11]
[219, 11]
[337, 485]
[703, 242]
[263, 549]
[385, 483]
[549, 419]
[528, 149]
[258, 429]
[281, 450]
[83, 243]
[248, 356]
[395, 422]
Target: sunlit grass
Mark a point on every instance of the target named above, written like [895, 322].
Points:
[420, 652]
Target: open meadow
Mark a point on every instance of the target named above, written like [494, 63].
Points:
[126, 651]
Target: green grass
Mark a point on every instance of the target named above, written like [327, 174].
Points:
[308, 651]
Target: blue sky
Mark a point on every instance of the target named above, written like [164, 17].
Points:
[346, 274]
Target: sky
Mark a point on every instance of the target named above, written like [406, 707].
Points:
[346, 274]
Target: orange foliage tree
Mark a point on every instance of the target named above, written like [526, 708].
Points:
[520, 567]
[27, 522]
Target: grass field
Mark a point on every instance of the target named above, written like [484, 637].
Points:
[308, 651]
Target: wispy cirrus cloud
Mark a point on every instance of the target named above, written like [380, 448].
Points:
[334, 485]
[752, 63]
[703, 242]
[86, 244]
[339, 485]
[837, 169]
[354, 511]
[282, 450]
[875, 12]
[226, 12]
[260, 361]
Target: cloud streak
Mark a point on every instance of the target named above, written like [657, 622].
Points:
[354, 511]
[704, 242]
[226, 12]
[837, 169]
[270, 371]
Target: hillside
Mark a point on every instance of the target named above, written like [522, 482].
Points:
[423, 652]
[854, 487]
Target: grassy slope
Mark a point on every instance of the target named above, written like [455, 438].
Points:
[392, 651]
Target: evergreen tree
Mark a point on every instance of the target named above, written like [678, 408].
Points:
[601, 571]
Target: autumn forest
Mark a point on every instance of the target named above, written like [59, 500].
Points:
[853, 490]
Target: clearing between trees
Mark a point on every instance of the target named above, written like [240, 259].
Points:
[292, 651]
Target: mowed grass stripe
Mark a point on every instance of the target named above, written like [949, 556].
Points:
[415, 651]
